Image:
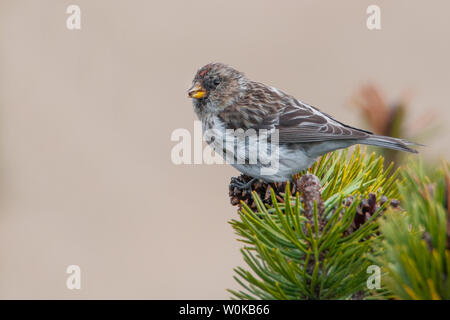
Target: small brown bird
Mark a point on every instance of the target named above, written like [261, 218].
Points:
[224, 99]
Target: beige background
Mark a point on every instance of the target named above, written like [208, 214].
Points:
[86, 116]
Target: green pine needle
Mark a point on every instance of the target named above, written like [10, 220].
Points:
[290, 257]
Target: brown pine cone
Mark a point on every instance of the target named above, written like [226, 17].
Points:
[366, 209]
[262, 188]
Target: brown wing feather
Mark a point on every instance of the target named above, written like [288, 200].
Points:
[266, 108]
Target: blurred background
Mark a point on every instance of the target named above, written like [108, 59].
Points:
[86, 176]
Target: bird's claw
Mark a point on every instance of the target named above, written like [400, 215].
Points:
[242, 185]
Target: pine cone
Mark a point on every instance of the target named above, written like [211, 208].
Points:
[309, 187]
[366, 209]
[262, 188]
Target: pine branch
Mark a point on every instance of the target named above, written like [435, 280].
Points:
[314, 244]
[416, 248]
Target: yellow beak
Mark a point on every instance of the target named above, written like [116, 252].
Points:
[197, 91]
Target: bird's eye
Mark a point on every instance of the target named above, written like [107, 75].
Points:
[216, 82]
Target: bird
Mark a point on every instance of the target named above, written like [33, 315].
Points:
[225, 101]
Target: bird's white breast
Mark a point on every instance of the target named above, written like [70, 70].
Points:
[242, 154]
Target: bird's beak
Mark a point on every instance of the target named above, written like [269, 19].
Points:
[197, 91]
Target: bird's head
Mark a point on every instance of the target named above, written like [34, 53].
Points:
[215, 87]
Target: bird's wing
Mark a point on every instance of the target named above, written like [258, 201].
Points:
[268, 108]
[303, 123]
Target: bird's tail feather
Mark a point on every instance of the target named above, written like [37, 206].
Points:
[390, 143]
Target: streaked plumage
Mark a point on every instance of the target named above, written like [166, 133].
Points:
[231, 101]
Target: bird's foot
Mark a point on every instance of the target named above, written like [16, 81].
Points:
[242, 185]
